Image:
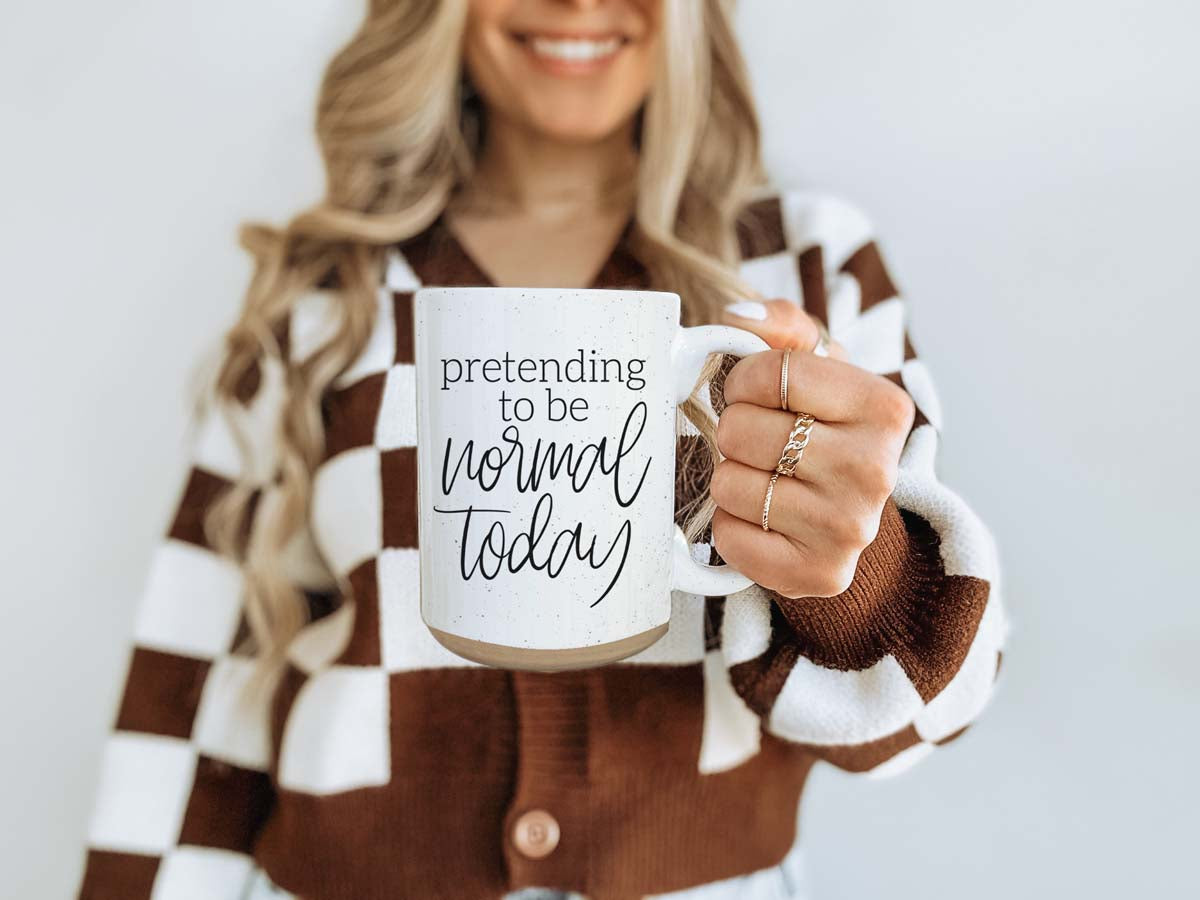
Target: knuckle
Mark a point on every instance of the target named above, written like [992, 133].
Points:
[870, 531]
[778, 334]
[722, 534]
[876, 477]
[730, 425]
[844, 579]
[837, 577]
[786, 574]
[720, 531]
[732, 384]
[854, 533]
[785, 310]
[721, 485]
[779, 309]
[801, 329]
[847, 534]
[750, 376]
[895, 406]
[724, 430]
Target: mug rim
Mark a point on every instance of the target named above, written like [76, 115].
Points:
[485, 289]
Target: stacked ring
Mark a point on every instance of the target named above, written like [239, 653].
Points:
[793, 450]
[766, 513]
[783, 378]
[824, 339]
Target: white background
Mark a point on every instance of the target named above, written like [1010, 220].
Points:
[1032, 169]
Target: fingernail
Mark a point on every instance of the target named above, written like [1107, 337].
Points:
[747, 309]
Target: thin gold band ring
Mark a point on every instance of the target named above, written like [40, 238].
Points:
[783, 378]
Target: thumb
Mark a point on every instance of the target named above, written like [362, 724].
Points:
[781, 323]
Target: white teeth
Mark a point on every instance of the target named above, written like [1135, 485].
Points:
[575, 49]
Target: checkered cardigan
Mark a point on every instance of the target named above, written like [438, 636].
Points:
[383, 766]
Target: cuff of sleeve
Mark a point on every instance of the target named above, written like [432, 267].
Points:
[885, 605]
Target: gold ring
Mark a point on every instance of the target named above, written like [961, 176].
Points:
[766, 513]
[793, 450]
[783, 378]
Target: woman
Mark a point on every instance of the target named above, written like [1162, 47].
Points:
[289, 726]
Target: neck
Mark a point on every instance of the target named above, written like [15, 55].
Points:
[524, 171]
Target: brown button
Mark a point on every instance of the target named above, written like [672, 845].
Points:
[535, 833]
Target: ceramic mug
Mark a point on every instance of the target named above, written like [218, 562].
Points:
[546, 424]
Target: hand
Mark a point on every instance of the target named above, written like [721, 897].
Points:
[823, 517]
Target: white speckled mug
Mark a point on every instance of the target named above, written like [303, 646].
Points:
[546, 424]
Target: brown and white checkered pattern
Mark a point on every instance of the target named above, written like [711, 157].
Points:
[869, 681]
[184, 783]
[888, 710]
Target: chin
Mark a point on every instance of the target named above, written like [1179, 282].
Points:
[576, 126]
[580, 114]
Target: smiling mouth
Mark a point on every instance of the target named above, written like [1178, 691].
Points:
[574, 51]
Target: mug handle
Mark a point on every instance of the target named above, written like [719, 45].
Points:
[688, 353]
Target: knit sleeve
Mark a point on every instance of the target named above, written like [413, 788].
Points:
[184, 779]
[874, 678]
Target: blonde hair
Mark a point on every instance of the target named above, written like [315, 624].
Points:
[398, 136]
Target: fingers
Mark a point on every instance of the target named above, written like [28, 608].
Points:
[832, 390]
[756, 437]
[748, 549]
[802, 511]
[781, 323]
[780, 563]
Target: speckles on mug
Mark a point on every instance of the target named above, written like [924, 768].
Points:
[520, 605]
